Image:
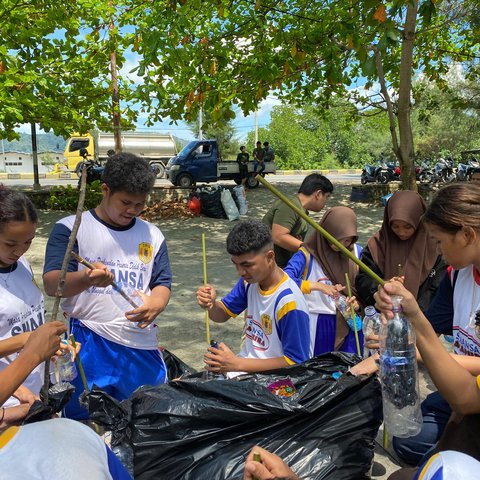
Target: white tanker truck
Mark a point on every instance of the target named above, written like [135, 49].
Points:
[156, 148]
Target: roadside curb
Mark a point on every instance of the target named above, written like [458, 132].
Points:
[27, 176]
[69, 175]
[333, 171]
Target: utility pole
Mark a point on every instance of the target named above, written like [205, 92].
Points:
[256, 126]
[200, 124]
[117, 134]
[36, 179]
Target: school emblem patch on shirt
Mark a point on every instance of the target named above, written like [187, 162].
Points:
[145, 252]
[266, 324]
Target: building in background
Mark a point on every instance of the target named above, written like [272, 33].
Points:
[22, 162]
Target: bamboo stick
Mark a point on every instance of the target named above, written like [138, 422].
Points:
[204, 255]
[80, 364]
[353, 315]
[114, 284]
[320, 229]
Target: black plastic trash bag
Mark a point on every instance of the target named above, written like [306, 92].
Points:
[194, 429]
[58, 396]
[176, 368]
[210, 202]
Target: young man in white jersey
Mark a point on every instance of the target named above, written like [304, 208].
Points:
[277, 321]
[120, 348]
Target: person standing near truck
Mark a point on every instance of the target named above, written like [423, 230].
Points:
[258, 158]
[269, 152]
[242, 159]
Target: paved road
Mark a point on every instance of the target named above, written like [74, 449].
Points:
[337, 178]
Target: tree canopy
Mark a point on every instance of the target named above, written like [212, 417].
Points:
[226, 54]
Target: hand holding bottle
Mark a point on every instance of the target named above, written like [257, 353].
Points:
[383, 300]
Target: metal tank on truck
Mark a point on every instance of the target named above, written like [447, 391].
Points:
[156, 148]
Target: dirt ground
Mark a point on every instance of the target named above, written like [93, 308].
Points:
[182, 325]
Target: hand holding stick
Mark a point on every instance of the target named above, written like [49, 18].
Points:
[115, 285]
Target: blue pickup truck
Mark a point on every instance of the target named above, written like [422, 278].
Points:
[199, 161]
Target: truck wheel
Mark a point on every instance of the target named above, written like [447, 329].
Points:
[185, 180]
[159, 169]
[251, 182]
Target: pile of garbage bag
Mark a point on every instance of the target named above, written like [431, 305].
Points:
[322, 424]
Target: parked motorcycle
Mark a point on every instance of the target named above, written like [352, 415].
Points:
[393, 171]
[443, 170]
[423, 173]
[465, 170]
[374, 173]
[95, 169]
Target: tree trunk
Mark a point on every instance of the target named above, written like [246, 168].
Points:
[406, 149]
[115, 93]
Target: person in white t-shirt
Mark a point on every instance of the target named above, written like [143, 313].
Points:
[120, 348]
[21, 301]
[277, 326]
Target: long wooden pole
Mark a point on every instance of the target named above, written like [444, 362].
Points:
[320, 229]
[63, 271]
[204, 255]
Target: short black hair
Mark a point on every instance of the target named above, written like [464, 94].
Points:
[265, 144]
[129, 173]
[242, 147]
[249, 236]
[313, 182]
[259, 142]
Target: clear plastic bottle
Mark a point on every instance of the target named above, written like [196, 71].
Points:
[399, 375]
[346, 311]
[371, 326]
[341, 304]
[65, 367]
[124, 453]
[207, 375]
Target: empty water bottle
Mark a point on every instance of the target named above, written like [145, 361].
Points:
[345, 309]
[65, 367]
[371, 326]
[399, 375]
[124, 453]
[208, 375]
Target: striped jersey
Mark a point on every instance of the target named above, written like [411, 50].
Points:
[277, 320]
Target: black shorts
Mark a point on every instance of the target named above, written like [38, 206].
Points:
[243, 170]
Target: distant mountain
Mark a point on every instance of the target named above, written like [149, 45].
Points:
[46, 142]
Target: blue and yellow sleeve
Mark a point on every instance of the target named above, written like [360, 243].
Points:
[294, 330]
[235, 302]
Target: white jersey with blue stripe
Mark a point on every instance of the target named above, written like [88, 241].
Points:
[21, 310]
[138, 258]
[277, 320]
[449, 465]
[304, 266]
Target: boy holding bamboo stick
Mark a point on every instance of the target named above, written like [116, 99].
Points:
[120, 347]
[277, 321]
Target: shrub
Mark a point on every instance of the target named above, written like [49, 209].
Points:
[66, 198]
